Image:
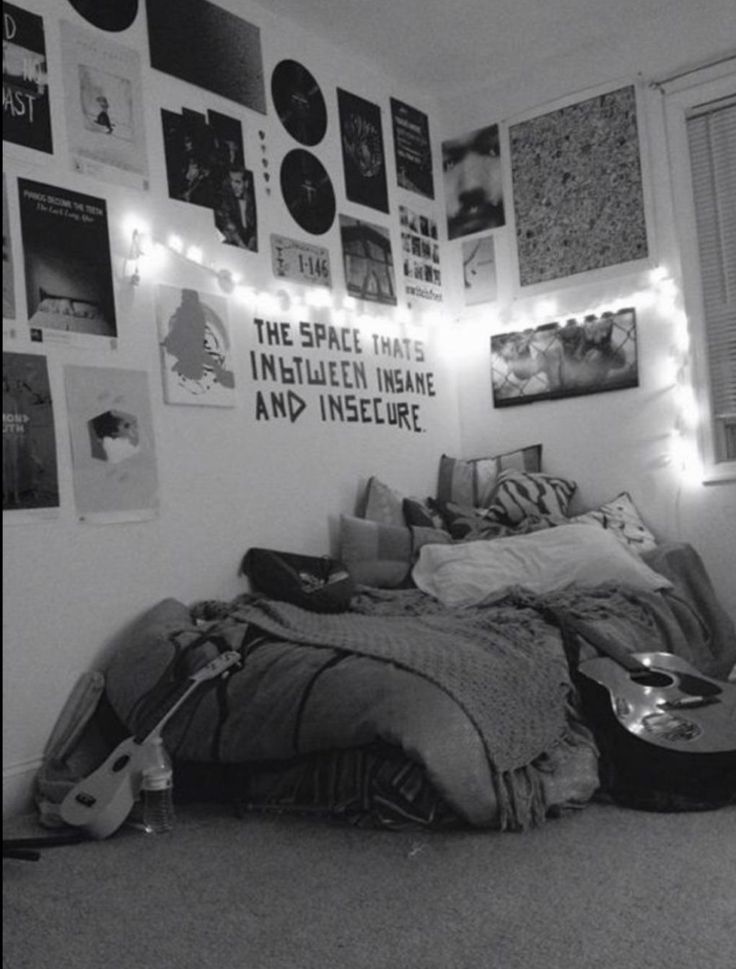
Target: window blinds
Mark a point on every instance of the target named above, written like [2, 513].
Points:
[711, 133]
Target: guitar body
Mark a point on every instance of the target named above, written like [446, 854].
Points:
[666, 732]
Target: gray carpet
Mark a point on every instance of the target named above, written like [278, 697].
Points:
[605, 888]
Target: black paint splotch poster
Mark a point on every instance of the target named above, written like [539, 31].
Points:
[66, 249]
[363, 156]
[412, 149]
[26, 115]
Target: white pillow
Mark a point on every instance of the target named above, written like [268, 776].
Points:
[542, 562]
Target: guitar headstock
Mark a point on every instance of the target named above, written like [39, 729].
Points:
[216, 667]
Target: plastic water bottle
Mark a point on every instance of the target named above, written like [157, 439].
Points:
[157, 802]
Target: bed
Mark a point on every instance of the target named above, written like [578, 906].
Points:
[442, 694]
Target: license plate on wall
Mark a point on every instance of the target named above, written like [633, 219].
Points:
[298, 260]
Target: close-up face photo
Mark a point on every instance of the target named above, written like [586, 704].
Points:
[473, 182]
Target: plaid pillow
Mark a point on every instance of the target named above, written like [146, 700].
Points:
[621, 517]
[382, 555]
[542, 497]
[471, 482]
[382, 503]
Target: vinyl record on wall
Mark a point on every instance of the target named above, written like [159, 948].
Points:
[113, 15]
[307, 191]
[299, 102]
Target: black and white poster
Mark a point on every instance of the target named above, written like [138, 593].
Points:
[368, 262]
[26, 115]
[30, 476]
[205, 45]
[480, 283]
[412, 149]
[473, 181]
[420, 255]
[104, 108]
[363, 157]
[8, 261]
[66, 251]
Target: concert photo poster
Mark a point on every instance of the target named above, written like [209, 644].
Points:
[364, 162]
[412, 149]
[104, 108]
[66, 253]
[112, 444]
[8, 261]
[26, 113]
[199, 42]
[30, 471]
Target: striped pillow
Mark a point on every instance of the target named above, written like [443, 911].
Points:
[543, 497]
[471, 482]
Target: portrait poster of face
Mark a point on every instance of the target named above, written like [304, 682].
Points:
[479, 270]
[473, 182]
[30, 476]
[364, 162]
[209, 47]
[104, 108]
[368, 262]
[112, 443]
[8, 261]
[196, 352]
[26, 114]
[412, 149]
[66, 251]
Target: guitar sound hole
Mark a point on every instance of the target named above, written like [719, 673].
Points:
[652, 678]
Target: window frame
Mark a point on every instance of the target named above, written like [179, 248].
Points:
[681, 96]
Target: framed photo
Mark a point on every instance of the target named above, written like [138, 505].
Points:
[565, 360]
[579, 186]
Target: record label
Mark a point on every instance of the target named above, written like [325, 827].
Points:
[307, 191]
[299, 102]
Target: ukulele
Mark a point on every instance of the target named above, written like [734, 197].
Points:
[102, 801]
[665, 726]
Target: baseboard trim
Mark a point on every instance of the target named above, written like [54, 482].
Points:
[18, 787]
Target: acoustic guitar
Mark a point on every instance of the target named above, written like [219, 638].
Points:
[101, 802]
[667, 731]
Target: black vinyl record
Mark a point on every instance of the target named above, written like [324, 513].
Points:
[308, 191]
[299, 102]
[113, 15]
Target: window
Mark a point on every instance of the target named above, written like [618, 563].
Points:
[700, 112]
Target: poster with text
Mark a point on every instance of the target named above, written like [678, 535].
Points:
[196, 353]
[364, 162]
[8, 262]
[66, 251]
[104, 108]
[367, 260]
[212, 48]
[412, 149]
[30, 475]
[26, 115]
[420, 254]
[113, 448]
[479, 270]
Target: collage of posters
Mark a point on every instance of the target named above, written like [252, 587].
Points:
[420, 251]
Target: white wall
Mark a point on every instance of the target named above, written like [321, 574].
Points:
[226, 480]
[620, 440]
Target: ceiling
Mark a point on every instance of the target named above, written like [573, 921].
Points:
[446, 46]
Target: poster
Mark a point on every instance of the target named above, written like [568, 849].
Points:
[578, 188]
[209, 47]
[473, 181]
[367, 260]
[364, 162]
[420, 255]
[30, 475]
[66, 250]
[104, 108]
[26, 115]
[565, 360]
[8, 261]
[112, 442]
[412, 149]
[479, 270]
[196, 352]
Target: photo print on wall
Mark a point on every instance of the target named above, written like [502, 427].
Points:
[30, 473]
[578, 188]
[565, 360]
[479, 270]
[26, 113]
[196, 353]
[104, 108]
[412, 149]
[364, 161]
[199, 42]
[66, 250]
[367, 259]
[299, 102]
[112, 444]
[473, 181]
